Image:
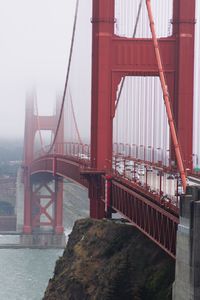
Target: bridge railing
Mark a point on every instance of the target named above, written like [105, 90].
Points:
[147, 154]
[148, 168]
[80, 151]
[164, 185]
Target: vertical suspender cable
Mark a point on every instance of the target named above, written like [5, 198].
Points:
[134, 34]
[166, 97]
[126, 116]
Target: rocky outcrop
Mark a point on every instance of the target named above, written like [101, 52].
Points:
[105, 260]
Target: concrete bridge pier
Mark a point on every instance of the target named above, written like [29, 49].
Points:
[187, 277]
[44, 240]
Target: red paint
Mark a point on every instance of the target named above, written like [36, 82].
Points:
[31, 127]
[97, 206]
[159, 225]
[115, 57]
[108, 196]
[183, 31]
[173, 131]
[39, 209]
[54, 166]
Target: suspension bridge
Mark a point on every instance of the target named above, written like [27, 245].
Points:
[142, 157]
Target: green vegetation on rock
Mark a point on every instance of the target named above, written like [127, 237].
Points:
[108, 261]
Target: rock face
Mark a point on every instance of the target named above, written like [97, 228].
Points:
[104, 260]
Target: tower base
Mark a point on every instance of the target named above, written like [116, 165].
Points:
[43, 240]
[187, 277]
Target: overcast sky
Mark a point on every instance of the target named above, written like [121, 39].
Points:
[34, 44]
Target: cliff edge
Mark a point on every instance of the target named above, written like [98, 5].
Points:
[104, 260]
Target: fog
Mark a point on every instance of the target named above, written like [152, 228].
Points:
[35, 38]
[34, 45]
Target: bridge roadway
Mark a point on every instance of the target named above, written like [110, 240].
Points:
[152, 213]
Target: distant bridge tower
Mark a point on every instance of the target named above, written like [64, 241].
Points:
[43, 192]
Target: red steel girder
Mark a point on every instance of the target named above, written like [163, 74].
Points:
[114, 57]
[61, 165]
[33, 124]
[42, 209]
[136, 57]
[184, 32]
[155, 222]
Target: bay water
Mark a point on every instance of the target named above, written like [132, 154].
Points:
[24, 273]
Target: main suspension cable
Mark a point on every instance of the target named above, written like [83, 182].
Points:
[133, 36]
[67, 75]
[166, 97]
